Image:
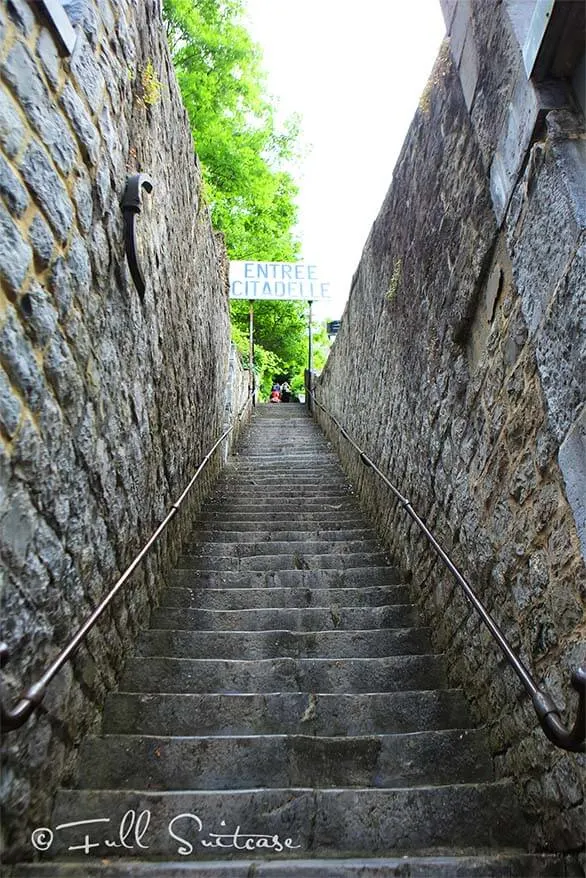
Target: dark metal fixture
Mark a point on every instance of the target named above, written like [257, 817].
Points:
[30, 699]
[131, 206]
[545, 707]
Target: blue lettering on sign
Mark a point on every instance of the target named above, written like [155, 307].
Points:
[276, 280]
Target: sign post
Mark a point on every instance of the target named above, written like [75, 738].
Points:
[251, 382]
[281, 282]
[310, 339]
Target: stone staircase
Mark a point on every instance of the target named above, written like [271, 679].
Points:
[284, 715]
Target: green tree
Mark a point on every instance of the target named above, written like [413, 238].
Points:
[244, 155]
[245, 159]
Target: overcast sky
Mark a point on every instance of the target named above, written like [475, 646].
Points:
[355, 72]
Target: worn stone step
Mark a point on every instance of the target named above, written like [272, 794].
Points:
[290, 471]
[283, 561]
[243, 489]
[268, 505]
[269, 761]
[389, 674]
[283, 547]
[331, 517]
[300, 476]
[321, 821]
[512, 864]
[349, 577]
[285, 713]
[215, 535]
[326, 618]
[284, 644]
[266, 598]
[294, 462]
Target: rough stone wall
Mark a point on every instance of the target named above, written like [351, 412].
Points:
[107, 402]
[459, 368]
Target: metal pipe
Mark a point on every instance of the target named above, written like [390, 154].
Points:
[251, 381]
[310, 341]
[13, 718]
[544, 705]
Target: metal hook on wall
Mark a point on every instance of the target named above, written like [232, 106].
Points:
[131, 206]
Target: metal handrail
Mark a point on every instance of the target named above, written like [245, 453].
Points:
[543, 703]
[32, 697]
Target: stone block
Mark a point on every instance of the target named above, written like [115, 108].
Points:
[10, 407]
[11, 127]
[82, 124]
[448, 11]
[468, 69]
[544, 237]
[42, 240]
[571, 157]
[500, 65]
[61, 370]
[48, 189]
[20, 363]
[87, 74]
[17, 529]
[49, 56]
[22, 74]
[82, 194]
[461, 23]
[572, 461]
[60, 284]
[15, 253]
[12, 190]
[22, 15]
[39, 316]
[561, 348]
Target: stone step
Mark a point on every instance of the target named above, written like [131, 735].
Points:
[349, 577]
[327, 467]
[285, 713]
[283, 561]
[267, 598]
[276, 761]
[248, 645]
[512, 864]
[300, 548]
[286, 618]
[317, 821]
[254, 477]
[330, 517]
[242, 491]
[268, 505]
[215, 535]
[276, 455]
[389, 674]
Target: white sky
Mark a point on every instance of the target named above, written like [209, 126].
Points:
[355, 72]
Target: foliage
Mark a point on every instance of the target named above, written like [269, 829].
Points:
[280, 342]
[396, 278]
[279, 328]
[245, 160]
[151, 86]
[243, 154]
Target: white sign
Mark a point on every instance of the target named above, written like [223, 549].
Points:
[277, 280]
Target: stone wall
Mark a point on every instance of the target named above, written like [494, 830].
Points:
[460, 370]
[108, 401]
